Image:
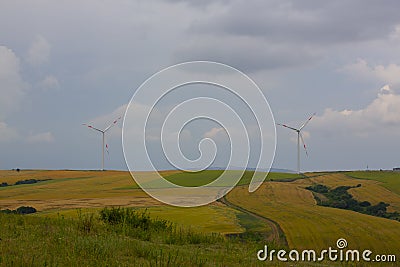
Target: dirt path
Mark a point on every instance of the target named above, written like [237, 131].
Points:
[277, 235]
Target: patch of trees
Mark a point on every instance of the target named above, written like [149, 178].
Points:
[20, 210]
[28, 181]
[339, 198]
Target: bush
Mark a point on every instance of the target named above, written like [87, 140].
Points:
[25, 210]
[318, 188]
[29, 181]
[365, 204]
[20, 210]
[132, 218]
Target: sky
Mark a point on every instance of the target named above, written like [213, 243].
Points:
[64, 63]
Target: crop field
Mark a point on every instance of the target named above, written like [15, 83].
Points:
[208, 219]
[390, 180]
[205, 177]
[307, 225]
[281, 212]
[90, 190]
[370, 190]
[71, 189]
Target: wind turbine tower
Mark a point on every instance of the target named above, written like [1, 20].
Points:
[299, 136]
[103, 132]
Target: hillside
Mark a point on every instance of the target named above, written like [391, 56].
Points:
[282, 212]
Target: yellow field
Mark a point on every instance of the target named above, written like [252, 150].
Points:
[91, 190]
[307, 225]
[370, 190]
[72, 189]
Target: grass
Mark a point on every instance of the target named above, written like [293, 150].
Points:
[89, 241]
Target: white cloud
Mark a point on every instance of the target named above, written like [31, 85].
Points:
[12, 86]
[215, 132]
[382, 115]
[388, 74]
[39, 51]
[46, 137]
[49, 82]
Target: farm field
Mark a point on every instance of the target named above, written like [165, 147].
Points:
[281, 206]
[307, 225]
[90, 190]
[69, 189]
[390, 180]
[371, 190]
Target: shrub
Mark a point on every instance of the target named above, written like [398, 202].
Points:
[365, 204]
[319, 188]
[29, 181]
[132, 218]
[25, 210]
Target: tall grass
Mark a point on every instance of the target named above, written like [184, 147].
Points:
[131, 238]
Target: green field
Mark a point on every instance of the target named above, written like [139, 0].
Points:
[389, 179]
[281, 213]
[202, 178]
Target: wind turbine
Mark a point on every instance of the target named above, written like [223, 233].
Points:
[103, 134]
[299, 136]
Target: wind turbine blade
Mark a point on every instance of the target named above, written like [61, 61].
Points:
[112, 124]
[304, 124]
[284, 125]
[91, 127]
[304, 144]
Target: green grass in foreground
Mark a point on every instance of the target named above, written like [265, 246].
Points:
[90, 241]
[390, 180]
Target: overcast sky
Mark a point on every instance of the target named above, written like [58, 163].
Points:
[64, 63]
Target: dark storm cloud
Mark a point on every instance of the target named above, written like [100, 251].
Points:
[313, 22]
[277, 34]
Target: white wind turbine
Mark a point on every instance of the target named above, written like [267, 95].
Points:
[299, 136]
[103, 134]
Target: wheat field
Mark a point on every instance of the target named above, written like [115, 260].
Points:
[307, 225]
